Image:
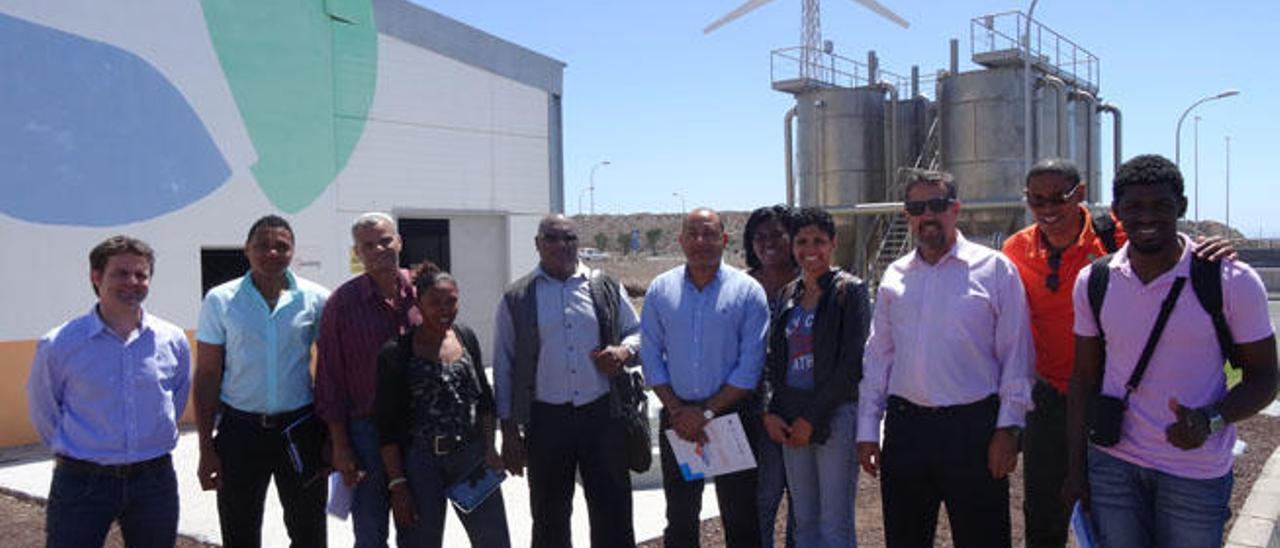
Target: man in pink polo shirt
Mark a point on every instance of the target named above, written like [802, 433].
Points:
[1167, 481]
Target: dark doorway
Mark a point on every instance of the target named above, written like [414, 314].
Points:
[218, 266]
[424, 240]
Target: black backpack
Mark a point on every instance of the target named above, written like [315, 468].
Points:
[1206, 280]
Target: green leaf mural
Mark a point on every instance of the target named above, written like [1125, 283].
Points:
[303, 74]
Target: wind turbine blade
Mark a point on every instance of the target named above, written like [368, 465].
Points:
[736, 13]
[884, 12]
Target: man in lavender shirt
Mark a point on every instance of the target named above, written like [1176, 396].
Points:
[360, 316]
[105, 394]
[948, 367]
[1167, 482]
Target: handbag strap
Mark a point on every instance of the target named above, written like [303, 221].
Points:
[1166, 308]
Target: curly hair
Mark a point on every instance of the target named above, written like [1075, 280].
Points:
[1147, 169]
[780, 213]
[815, 217]
[427, 275]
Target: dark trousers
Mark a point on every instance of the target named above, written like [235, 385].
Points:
[251, 457]
[1044, 461]
[83, 503]
[939, 455]
[562, 441]
[735, 493]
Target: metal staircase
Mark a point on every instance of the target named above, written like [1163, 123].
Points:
[895, 232]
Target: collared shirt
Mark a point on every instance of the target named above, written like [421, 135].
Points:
[357, 322]
[949, 333]
[1186, 364]
[568, 331]
[1051, 312]
[697, 340]
[98, 397]
[267, 365]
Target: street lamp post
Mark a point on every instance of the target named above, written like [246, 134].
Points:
[681, 196]
[1196, 140]
[1177, 135]
[592, 186]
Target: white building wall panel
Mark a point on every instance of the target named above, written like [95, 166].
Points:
[481, 276]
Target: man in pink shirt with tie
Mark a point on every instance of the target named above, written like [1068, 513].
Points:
[948, 366]
[1167, 480]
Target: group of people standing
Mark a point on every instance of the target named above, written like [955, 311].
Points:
[967, 357]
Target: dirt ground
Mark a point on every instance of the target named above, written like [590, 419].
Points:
[1261, 433]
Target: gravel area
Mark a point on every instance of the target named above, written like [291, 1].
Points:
[1261, 433]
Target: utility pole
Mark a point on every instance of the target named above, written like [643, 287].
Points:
[1228, 186]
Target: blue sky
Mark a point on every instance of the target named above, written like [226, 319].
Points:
[674, 110]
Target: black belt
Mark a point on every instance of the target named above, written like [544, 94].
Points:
[114, 470]
[444, 445]
[903, 407]
[264, 420]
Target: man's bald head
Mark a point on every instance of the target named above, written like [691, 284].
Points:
[557, 244]
[555, 220]
[700, 215]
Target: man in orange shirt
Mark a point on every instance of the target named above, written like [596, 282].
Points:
[1049, 254]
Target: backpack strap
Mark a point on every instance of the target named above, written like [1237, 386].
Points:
[1206, 280]
[1099, 278]
[1105, 228]
[1166, 308]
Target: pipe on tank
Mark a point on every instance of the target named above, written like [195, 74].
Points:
[1115, 129]
[786, 145]
[1061, 117]
[890, 134]
[955, 56]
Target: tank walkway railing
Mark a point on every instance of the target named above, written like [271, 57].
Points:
[996, 40]
[792, 71]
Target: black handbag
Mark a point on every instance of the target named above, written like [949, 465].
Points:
[1106, 413]
[627, 401]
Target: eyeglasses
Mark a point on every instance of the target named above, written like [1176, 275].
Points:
[1055, 200]
[937, 205]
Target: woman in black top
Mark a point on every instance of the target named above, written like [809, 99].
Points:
[812, 371]
[767, 244]
[435, 415]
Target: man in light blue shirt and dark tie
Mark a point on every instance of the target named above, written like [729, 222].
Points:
[105, 394]
[253, 388]
[702, 347]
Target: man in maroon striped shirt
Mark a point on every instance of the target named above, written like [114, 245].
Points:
[361, 315]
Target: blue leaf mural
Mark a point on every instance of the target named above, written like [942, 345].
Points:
[92, 135]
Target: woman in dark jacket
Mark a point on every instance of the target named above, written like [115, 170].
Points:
[435, 415]
[813, 368]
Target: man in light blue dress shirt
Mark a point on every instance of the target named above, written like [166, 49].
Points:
[561, 424]
[105, 394]
[253, 387]
[702, 347]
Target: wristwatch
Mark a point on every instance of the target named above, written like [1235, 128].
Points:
[1216, 422]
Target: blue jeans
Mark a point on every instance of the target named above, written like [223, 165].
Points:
[1135, 507]
[370, 506]
[823, 479]
[82, 506]
[486, 525]
[769, 491]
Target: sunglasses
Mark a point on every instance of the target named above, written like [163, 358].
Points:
[936, 205]
[558, 238]
[1052, 281]
[1055, 200]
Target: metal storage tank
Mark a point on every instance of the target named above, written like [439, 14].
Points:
[841, 152]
